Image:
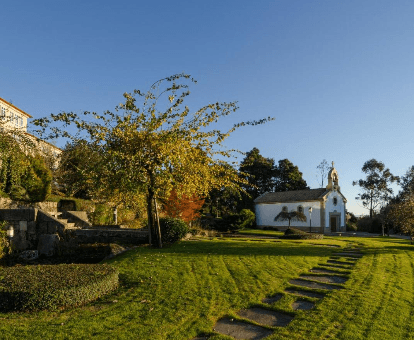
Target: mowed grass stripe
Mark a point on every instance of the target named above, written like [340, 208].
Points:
[180, 292]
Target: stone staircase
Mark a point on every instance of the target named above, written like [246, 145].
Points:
[65, 221]
[263, 320]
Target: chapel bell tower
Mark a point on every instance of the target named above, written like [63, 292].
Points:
[332, 179]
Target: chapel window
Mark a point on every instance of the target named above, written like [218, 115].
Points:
[285, 209]
[300, 209]
[335, 201]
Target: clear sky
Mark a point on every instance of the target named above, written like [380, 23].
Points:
[338, 76]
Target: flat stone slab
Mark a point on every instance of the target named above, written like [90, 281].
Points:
[325, 279]
[241, 330]
[305, 293]
[302, 305]
[349, 254]
[343, 263]
[326, 271]
[266, 317]
[313, 285]
[334, 266]
[326, 245]
[272, 299]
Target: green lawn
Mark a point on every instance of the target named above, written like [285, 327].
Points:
[261, 232]
[181, 291]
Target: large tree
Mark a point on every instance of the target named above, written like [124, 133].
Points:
[23, 172]
[152, 143]
[375, 187]
[323, 169]
[407, 183]
[259, 173]
[401, 214]
[288, 177]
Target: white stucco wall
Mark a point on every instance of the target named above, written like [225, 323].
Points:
[266, 213]
[9, 118]
[339, 207]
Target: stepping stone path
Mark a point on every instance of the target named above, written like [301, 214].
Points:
[322, 279]
[302, 305]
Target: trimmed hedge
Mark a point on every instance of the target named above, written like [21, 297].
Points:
[31, 288]
[296, 234]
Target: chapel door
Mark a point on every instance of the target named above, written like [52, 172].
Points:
[333, 224]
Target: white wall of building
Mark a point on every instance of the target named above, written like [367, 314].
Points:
[266, 213]
[339, 207]
[12, 118]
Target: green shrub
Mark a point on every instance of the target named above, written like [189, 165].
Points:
[173, 229]
[4, 242]
[38, 180]
[102, 215]
[247, 219]
[364, 224]
[51, 287]
[370, 225]
[297, 234]
[351, 227]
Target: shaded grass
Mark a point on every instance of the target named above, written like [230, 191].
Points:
[181, 291]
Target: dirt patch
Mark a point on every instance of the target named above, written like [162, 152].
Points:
[313, 285]
[325, 279]
[305, 293]
[272, 299]
[241, 330]
[266, 317]
[302, 305]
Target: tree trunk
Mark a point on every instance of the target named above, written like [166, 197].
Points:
[157, 223]
[155, 233]
[150, 215]
[370, 210]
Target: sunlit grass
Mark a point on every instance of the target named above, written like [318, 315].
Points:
[181, 291]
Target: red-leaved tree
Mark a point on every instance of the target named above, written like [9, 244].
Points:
[188, 209]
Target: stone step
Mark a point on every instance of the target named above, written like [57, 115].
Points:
[241, 330]
[328, 271]
[325, 279]
[302, 305]
[272, 299]
[266, 317]
[313, 285]
[349, 254]
[305, 293]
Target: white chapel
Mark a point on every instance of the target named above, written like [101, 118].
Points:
[324, 208]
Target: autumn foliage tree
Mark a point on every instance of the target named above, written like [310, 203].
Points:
[153, 143]
[185, 208]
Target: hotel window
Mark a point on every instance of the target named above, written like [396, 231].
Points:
[3, 111]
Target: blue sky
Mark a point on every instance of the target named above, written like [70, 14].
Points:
[336, 75]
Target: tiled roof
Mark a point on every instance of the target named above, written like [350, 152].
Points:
[291, 196]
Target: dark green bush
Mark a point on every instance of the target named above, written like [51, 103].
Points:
[31, 288]
[247, 219]
[351, 226]
[297, 234]
[4, 242]
[173, 229]
[370, 225]
[38, 180]
[364, 224]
